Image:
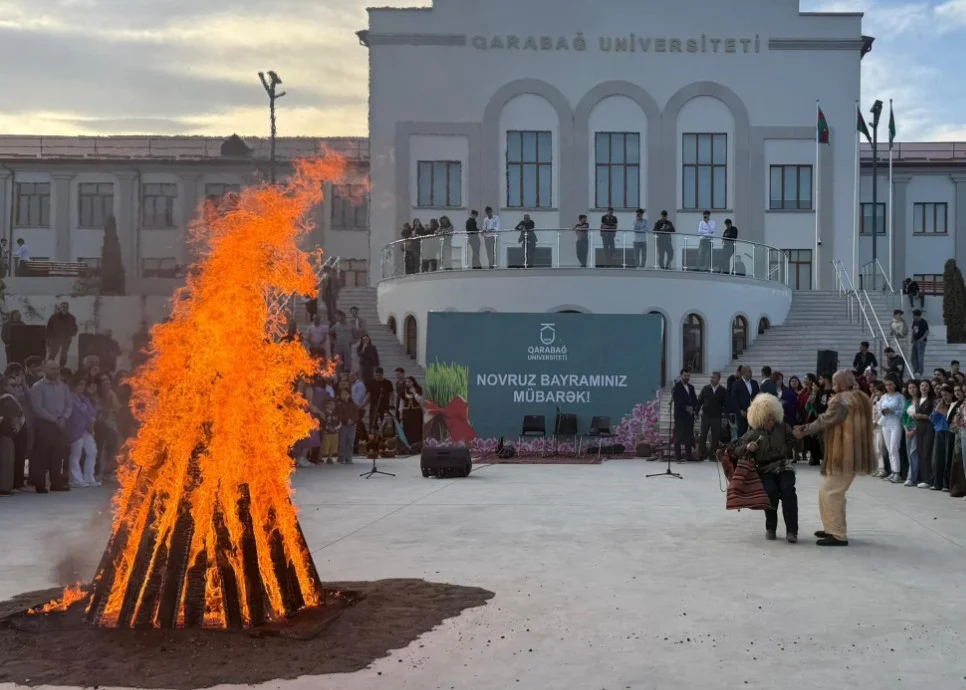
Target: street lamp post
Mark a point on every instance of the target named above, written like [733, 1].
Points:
[876, 112]
[270, 85]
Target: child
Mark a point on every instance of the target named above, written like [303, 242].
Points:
[348, 414]
[330, 432]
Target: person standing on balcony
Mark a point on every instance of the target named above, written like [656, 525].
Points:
[581, 230]
[445, 232]
[528, 238]
[429, 246]
[61, 329]
[408, 249]
[21, 255]
[730, 234]
[608, 234]
[920, 335]
[640, 238]
[665, 243]
[491, 226]
[473, 238]
[706, 229]
[330, 293]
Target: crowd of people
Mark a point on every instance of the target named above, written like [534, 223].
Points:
[358, 409]
[918, 424]
[428, 248]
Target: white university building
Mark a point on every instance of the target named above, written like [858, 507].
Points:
[554, 109]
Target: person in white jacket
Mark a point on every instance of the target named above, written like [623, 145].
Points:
[890, 425]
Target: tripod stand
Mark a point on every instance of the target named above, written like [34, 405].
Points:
[375, 470]
[667, 450]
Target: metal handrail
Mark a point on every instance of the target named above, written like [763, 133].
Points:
[885, 338]
[563, 248]
[847, 289]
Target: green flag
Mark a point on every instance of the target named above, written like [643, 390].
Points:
[892, 126]
[862, 128]
[823, 132]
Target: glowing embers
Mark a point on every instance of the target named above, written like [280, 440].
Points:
[205, 531]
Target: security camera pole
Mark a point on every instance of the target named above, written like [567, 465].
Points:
[270, 84]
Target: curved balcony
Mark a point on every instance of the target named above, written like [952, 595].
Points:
[564, 249]
[704, 288]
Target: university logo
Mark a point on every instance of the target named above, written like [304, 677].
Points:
[548, 333]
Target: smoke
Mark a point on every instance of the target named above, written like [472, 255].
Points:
[75, 553]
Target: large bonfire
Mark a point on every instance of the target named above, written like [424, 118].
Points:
[205, 531]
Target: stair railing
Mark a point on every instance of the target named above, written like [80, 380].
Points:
[882, 333]
[856, 309]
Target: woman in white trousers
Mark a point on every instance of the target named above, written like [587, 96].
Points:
[80, 433]
[891, 405]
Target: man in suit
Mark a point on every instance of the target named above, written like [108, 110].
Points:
[767, 385]
[733, 378]
[744, 391]
[713, 404]
[685, 402]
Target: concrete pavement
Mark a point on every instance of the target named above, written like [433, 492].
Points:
[605, 579]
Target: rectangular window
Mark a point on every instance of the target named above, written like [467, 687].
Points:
[159, 268]
[157, 205]
[439, 184]
[618, 175]
[216, 191]
[350, 207]
[33, 205]
[529, 169]
[95, 203]
[929, 219]
[790, 187]
[800, 268]
[866, 216]
[705, 171]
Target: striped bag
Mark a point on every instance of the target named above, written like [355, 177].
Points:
[745, 488]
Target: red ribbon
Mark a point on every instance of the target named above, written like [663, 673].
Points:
[457, 416]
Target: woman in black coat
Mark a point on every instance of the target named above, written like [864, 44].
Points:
[368, 358]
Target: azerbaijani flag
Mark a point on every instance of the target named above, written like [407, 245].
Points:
[862, 128]
[892, 126]
[823, 132]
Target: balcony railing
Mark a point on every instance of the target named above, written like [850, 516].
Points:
[592, 250]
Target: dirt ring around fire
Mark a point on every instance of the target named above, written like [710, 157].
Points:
[364, 622]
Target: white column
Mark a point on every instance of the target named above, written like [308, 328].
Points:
[6, 199]
[128, 223]
[190, 186]
[60, 215]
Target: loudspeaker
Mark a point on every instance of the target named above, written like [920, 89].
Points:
[827, 363]
[26, 341]
[446, 462]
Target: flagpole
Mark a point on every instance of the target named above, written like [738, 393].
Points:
[816, 271]
[855, 206]
[891, 212]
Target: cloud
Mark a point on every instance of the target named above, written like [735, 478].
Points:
[952, 11]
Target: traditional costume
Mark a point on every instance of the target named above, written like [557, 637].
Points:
[849, 451]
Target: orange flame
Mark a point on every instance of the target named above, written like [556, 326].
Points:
[71, 596]
[218, 414]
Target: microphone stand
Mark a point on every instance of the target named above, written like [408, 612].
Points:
[667, 449]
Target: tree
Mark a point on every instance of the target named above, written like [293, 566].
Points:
[954, 303]
[112, 269]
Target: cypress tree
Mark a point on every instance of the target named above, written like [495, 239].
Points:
[954, 303]
[112, 270]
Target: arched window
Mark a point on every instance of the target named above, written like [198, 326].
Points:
[391, 324]
[694, 343]
[663, 347]
[739, 336]
[409, 326]
[763, 325]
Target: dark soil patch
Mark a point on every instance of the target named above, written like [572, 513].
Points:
[374, 618]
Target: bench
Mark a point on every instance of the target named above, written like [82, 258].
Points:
[931, 287]
[51, 269]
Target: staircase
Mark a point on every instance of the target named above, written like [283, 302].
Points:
[392, 354]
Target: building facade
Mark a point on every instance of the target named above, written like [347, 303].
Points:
[57, 192]
[557, 109]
